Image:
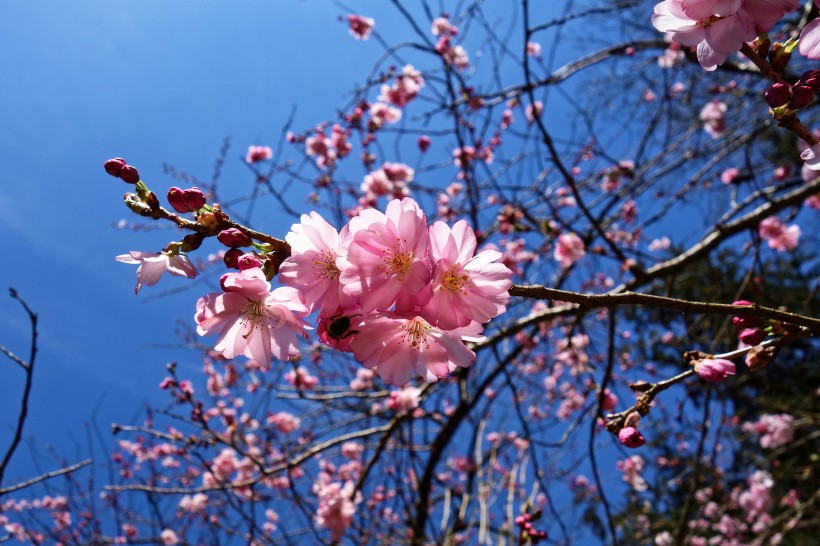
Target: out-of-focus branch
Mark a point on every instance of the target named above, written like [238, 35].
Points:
[46, 476]
[29, 368]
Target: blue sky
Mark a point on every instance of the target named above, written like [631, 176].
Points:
[153, 82]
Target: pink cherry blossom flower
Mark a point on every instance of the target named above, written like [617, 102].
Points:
[384, 257]
[360, 27]
[765, 13]
[382, 113]
[714, 370]
[713, 116]
[400, 346]
[662, 243]
[258, 153]
[533, 111]
[404, 89]
[301, 378]
[152, 265]
[569, 248]
[337, 506]
[443, 27]
[810, 38]
[533, 49]
[405, 399]
[194, 504]
[775, 429]
[811, 157]
[250, 320]
[311, 267]
[169, 537]
[466, 288]
[779, 237]
[717, 27]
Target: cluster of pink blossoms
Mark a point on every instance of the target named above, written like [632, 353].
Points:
[401, 296]
[718, 28]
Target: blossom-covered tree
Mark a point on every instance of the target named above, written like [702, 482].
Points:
[546, 276]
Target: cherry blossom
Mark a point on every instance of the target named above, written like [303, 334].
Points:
[382, 113]
[533, 49]
[569, 248]
[443, 27]
[258, 153]
[337, 506]
[360, 27]
[250, 320]
[713, 116]
[405, 399]
[533, 111]
[153, 264]
[311, 267]
[466, 287]
[384, 257]
[810, 38]
[717, 27]
[398, 347]
[811, 157]
[780, 237]
[775, 430]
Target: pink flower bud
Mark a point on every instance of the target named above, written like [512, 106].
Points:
[802, 95]
[233, 237]
[248, 261]
[752, 336]
[424, 143]
[129, 174]
[186, 200]
[777, 94]
[714, 370]
[114, 166]
[631, 437]
[746, 321]
[176, 198]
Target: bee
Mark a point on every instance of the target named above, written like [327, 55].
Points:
[339, 327]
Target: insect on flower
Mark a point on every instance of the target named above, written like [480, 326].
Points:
[339, 327]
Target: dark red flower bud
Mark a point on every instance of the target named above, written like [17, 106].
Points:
[752, 336]
[233, 237]
[114, 166]
[424, 143]
[777, 94]
[129, 174]
[802, 95]
[231, 259]
[811, 79]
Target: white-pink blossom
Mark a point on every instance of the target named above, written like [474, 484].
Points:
[569, 248]
[360, 27]
[152, 265]
[250, 320]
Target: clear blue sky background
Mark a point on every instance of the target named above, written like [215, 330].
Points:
[153, 82]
